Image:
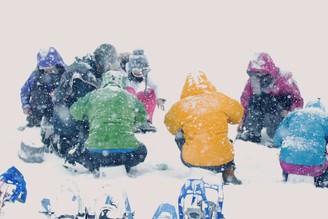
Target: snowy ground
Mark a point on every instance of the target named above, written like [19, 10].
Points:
[262, 195]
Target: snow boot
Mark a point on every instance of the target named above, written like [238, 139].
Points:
[229, 176]
[145, 127]
[249, 136]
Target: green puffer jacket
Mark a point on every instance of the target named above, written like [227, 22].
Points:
[112, 113]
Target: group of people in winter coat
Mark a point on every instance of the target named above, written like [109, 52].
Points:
[75, 133]
[99, 102]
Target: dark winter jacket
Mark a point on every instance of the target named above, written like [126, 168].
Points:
[79, 79]
[37, 90]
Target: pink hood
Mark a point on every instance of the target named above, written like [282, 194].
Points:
[262, 62]
[284, 82]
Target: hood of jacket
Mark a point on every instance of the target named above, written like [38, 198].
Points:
[262, 62]
[114, 78]
[195, 84]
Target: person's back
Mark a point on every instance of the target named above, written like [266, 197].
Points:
[302, 137]
[112, 113]
[203, 115]
[81, 77]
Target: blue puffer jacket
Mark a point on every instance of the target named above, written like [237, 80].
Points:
[302, 136]
[79, 79]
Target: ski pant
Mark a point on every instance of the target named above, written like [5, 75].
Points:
[180, 140]
[70, 133]
[320, 172]
[148, 99]
[319, 181]
[94, 160]
[264, 111]
[37, 113]
[41, 105]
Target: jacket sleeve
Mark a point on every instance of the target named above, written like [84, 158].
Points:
[174, 119]
[152, 85]
[141, 113]
[282, 131]
[290, 87]
[79, 109]
[234, 111]
[247, 93]
[297, 99]
[64, 89]
[25, 93]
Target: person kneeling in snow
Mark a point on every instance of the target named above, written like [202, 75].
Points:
[269, 95]
[140, 85]
[302, 137]
[36, 93]
[200, 123]
[81, 77]
[112, 113]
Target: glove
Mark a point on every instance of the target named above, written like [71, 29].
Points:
[284, 113]
[27, 111]
[160, 103]
[240, 126]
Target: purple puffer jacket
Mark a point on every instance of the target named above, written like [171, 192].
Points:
[284, 84]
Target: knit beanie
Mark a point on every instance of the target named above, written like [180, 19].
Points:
[138, 60]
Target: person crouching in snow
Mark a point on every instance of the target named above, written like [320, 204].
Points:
[199, 120]
[302, 138]
[36, 93]
[268, 96]
[112, 114]
[140, 85]
[81, 77]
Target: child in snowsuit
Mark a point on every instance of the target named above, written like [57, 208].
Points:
[36, 93]
[112, 113]
[268, 96]
[200, 122]
[80, 78]
[302, 137]
[140, 85]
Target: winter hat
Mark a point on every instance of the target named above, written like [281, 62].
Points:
[316, 104]
[116, 78]
[262, 62]
[48, 57]
[138, 61]
[105, 56]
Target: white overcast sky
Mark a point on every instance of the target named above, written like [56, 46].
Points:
[218, 37]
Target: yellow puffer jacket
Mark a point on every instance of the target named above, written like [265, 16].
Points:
[203, 114]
